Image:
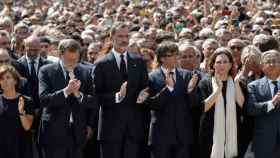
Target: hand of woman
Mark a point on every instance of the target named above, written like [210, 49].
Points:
[219, 84]
[21, 105]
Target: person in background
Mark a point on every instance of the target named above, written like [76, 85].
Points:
[93, 51]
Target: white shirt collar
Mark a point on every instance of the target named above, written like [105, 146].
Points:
[165, 70]
[29, 60]
[117, 54]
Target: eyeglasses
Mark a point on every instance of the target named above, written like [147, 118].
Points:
[235, 47]
[169, 55]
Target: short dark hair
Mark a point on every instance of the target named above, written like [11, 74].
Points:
[69, 45]
[268, 44]
[45, 39]
[116, 26]
[165, 36]
[4, 69]
[219, 51]
[165, 48]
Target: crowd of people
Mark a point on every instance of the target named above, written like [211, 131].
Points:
[139, 79]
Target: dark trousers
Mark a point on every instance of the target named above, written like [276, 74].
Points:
[71, 150]
[125, 149]
[171, 151]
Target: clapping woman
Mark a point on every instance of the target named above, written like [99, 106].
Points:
[222, 100]
[16, 117]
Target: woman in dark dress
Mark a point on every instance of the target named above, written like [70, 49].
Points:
[220, 120]
[16, 117]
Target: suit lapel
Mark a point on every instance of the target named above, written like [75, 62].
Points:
[161, 77]
[25, 64]
[266, 88]
[40, 64]
[131, 67]
[60, 80]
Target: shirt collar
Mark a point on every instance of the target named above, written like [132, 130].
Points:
[117, 54]
[165, 70]
[29, 59]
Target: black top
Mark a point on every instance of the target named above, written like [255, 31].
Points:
[15, 142]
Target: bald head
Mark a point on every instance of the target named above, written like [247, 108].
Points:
[32, 46]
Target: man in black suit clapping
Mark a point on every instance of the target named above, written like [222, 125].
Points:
[119, 77]
[69, 104]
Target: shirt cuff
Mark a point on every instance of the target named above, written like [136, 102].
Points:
[170, 88]
[64, 92]
[80, 97]
[270, 106]
[118, 98]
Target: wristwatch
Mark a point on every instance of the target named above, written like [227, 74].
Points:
[22, 113]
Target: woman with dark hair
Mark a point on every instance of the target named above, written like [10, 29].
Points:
[220, 95]
[16, 117]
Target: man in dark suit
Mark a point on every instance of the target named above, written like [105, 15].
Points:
[31, 63]
[263, 103]
[67, 94]
[119, 77]
[29, 66]
[172, 131]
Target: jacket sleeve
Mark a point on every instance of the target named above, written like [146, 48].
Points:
[47, 97]
[255, 107]
[106, 98]
[157, 98]
[89, 96]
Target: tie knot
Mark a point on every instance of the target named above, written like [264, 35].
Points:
[32, 61]
[122, 56]
[171, 73]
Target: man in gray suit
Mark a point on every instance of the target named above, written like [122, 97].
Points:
[263, 103]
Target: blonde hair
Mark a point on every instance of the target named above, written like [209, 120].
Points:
[250, 51]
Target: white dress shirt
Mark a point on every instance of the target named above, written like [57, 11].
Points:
[117, 56]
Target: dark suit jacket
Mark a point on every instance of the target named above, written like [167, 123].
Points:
[267, 124]
[172, 109]
[57, 108]
[33, 87]
[126, 117]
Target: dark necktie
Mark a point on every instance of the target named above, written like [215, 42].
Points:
[67, 77]
[171, 74]
[32, 69]
[33, 75]
[275, 90]
[123, 68]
